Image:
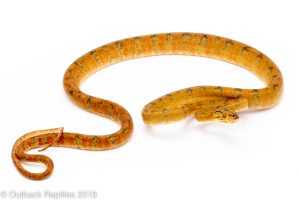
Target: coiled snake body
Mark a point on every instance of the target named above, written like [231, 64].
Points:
[206, 103]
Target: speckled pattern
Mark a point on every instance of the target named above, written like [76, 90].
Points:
[206, 103]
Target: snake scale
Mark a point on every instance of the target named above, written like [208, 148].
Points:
[206, 103]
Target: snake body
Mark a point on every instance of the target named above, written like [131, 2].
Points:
[206, 103]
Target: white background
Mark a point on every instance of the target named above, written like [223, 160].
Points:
[256, 158]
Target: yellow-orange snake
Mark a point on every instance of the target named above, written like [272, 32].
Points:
[206, 103]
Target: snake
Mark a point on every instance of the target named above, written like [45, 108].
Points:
[205, 103]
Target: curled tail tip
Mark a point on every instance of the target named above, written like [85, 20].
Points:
[37, 159]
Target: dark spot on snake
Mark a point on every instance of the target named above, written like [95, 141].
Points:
[125, 131]
[111, 106]
[184, 37]
[69, 79]
[244, 49]
[204, 36]
[259, 56]
[189, 91]
[204, 40]
[219, 88]
[228, 44]
[77, 140]
[169, 95]
[113, 139]
[275, 86]
[218, 111]
[92, 52]
[89, 101]
[217, 38]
